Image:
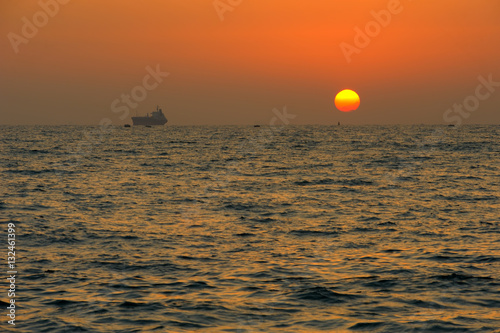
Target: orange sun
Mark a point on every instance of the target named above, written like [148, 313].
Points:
[347, 100]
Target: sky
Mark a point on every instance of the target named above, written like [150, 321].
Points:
[228, 62]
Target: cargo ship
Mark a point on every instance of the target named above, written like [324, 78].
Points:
[156, 118]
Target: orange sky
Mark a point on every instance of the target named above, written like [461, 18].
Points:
[264, 55]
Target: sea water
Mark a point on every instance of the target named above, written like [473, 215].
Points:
[244, 229]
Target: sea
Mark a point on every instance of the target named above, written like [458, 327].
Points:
[250, 229]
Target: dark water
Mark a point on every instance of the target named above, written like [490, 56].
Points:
[242, 229]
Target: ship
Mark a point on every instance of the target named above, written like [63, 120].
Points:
[156, 118]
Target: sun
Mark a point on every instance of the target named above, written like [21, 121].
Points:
[347, 100]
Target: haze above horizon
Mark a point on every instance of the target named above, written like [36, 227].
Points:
[221, 63]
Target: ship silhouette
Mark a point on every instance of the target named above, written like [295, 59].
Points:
[156, 118]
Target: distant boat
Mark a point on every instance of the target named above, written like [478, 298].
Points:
[156, 118]
[126, 125]
[256, 125]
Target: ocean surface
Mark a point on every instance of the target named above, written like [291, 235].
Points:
[245, 229]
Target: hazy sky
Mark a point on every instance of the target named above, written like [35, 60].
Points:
[417, 62]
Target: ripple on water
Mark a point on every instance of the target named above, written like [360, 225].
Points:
[321, 229]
